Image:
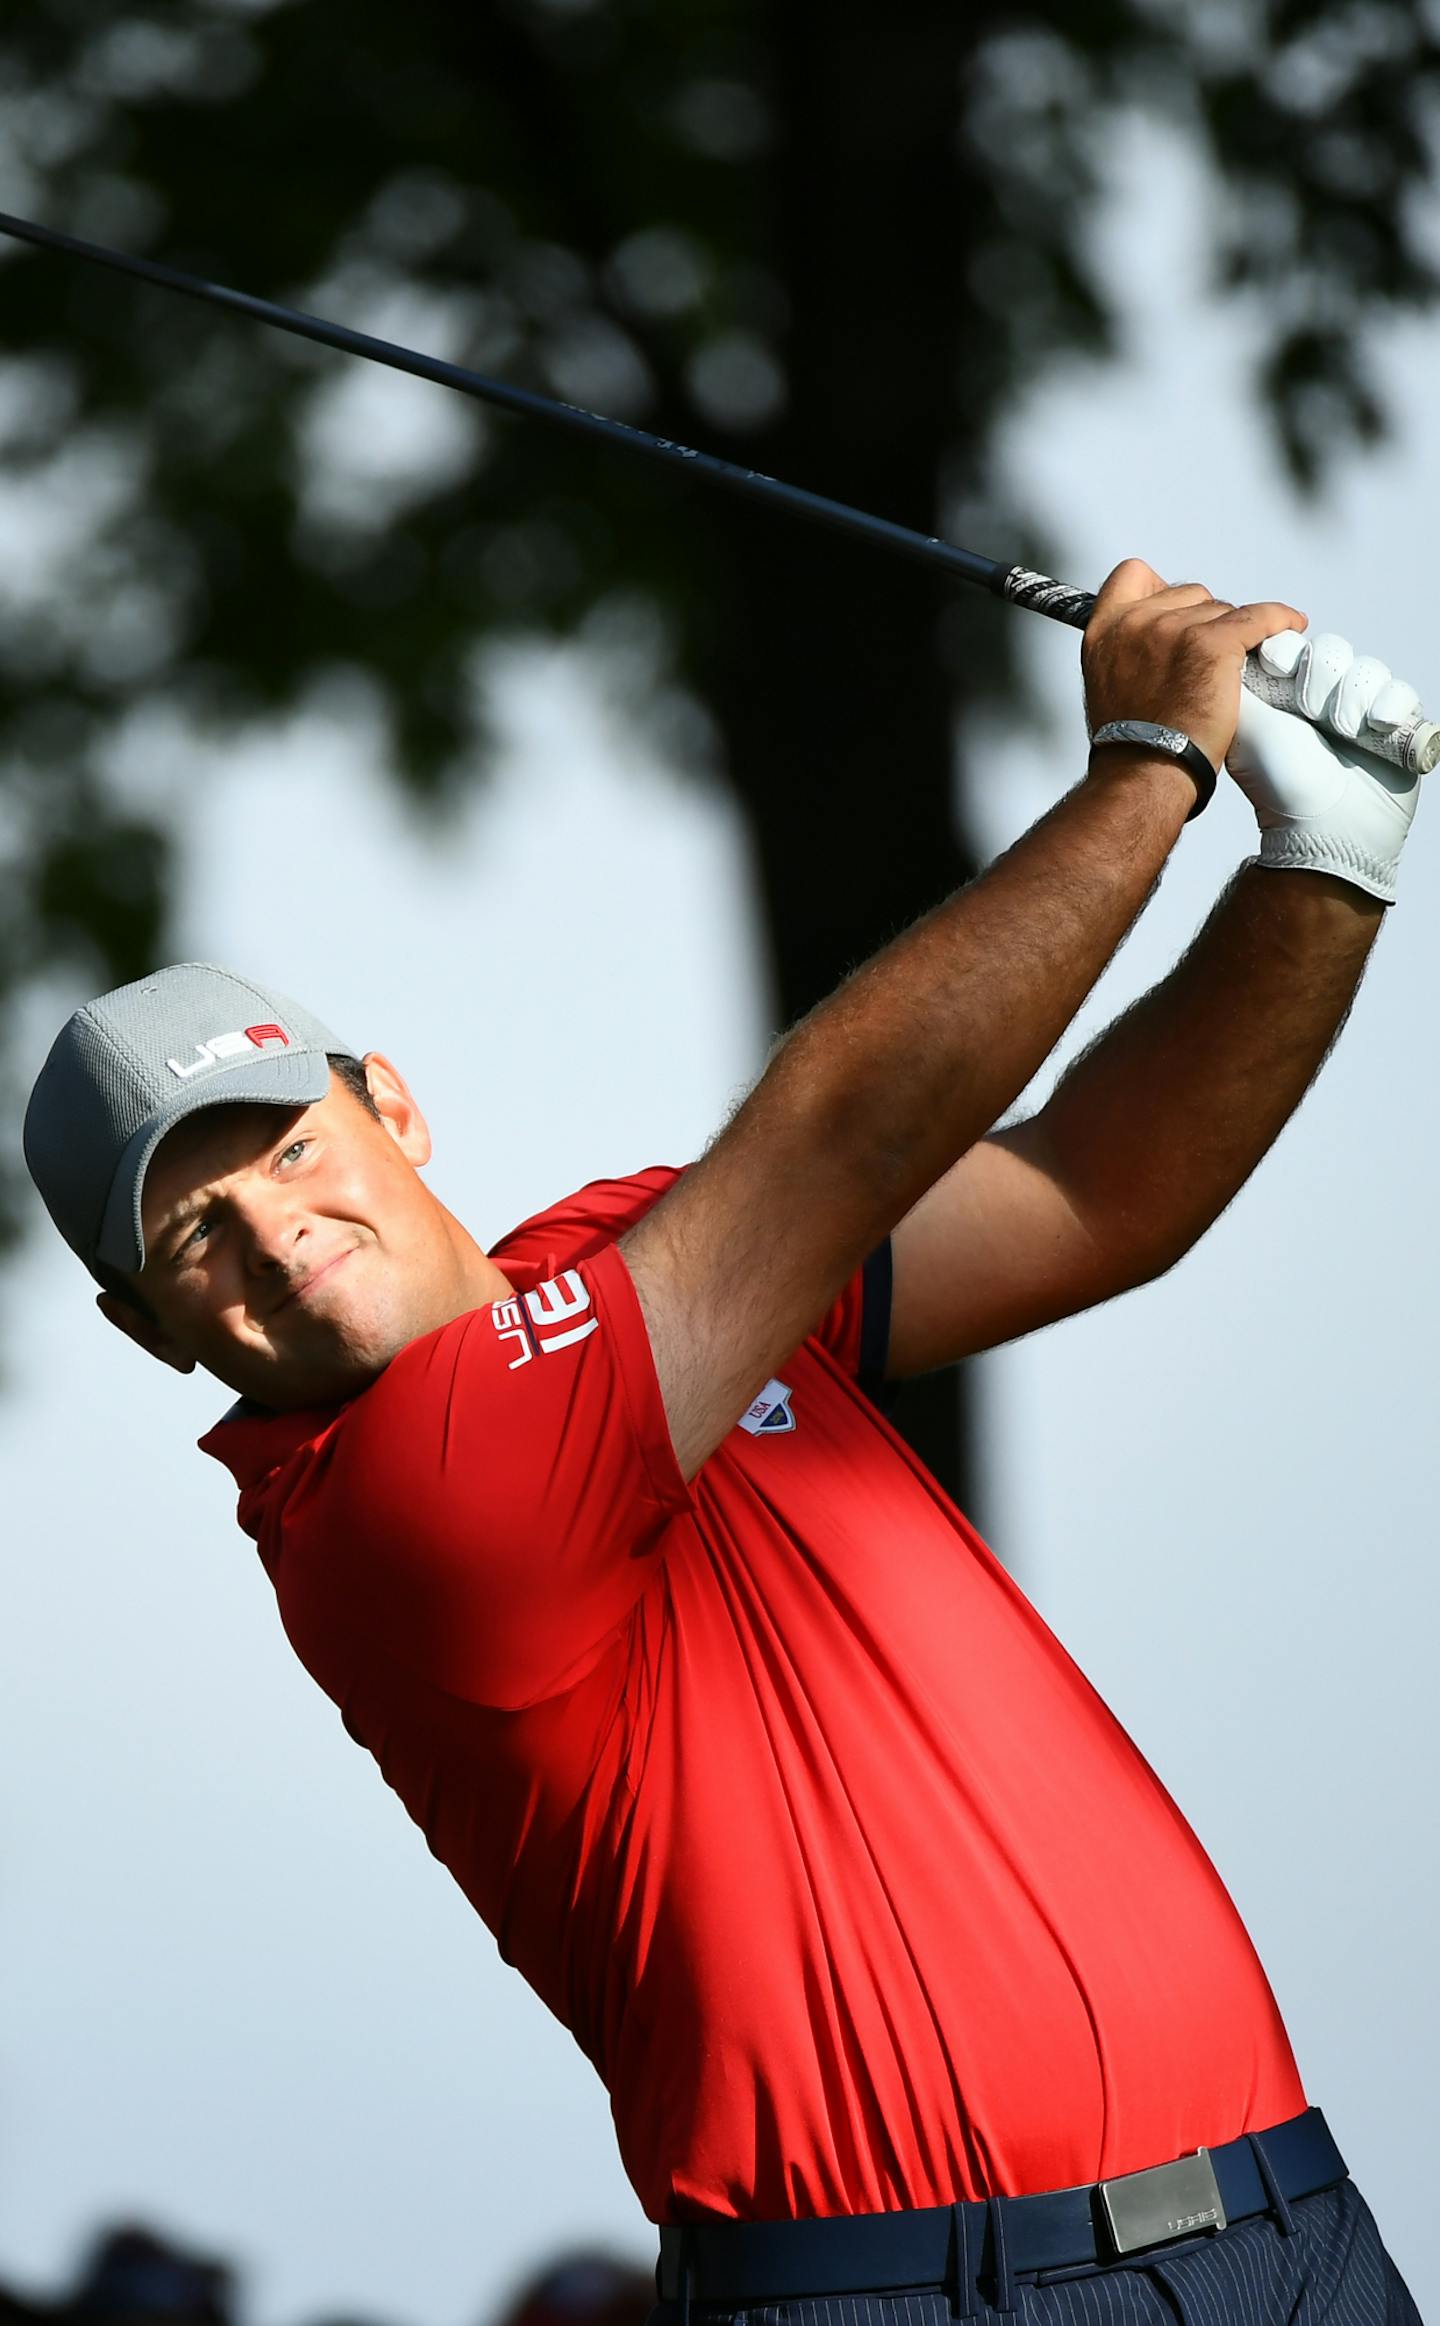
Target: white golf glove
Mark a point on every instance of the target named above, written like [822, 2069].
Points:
[1322, 804]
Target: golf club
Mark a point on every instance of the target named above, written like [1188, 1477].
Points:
[1413, 746]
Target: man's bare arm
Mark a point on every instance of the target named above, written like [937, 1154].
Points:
[890, 1081]
[874, 1095]
[1148, 1137]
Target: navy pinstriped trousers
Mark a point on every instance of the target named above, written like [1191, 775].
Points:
[1331, 2270]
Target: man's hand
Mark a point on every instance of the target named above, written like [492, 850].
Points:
[1323, 806]
[1172, 655]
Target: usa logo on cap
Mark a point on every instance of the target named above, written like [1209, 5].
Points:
[219, 1047]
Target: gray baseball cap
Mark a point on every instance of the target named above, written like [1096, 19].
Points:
[128, 1067]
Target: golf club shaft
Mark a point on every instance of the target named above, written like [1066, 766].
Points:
[965, 563]
[1415, 747]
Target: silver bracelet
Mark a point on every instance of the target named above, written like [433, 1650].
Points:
[1167, 743]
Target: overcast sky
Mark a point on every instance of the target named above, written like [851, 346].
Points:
[239, 1998]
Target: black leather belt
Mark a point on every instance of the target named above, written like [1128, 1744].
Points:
[734, 2262]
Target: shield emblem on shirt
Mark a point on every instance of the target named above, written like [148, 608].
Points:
[770, 1415]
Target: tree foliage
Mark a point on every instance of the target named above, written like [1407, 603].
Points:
[826, 242]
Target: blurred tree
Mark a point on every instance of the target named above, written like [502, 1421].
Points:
[827, 243]
[132, 2275]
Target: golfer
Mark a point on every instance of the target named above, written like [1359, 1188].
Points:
[915, 1996]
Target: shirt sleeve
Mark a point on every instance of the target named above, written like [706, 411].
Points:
[489, 1511]
[856, 1328]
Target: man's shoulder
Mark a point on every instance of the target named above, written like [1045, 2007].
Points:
[584, 1222]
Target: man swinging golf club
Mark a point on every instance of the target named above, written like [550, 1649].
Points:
[909, 1983]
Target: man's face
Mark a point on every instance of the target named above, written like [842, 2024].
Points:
[293, 1251]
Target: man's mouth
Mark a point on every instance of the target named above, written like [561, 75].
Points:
[301, 1292]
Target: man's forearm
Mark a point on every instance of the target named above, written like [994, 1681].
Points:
[908, 1064]
[1162, 1121]
[876, 1093]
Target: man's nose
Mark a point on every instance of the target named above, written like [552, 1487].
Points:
[271, 1225]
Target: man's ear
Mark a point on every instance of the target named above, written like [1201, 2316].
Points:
[143, 1331]
[398, 1110]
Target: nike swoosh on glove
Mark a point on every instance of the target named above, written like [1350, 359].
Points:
[1324, 804]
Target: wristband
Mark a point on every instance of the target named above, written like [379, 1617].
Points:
[1167, 743]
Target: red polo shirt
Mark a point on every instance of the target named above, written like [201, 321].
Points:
[774, 1787]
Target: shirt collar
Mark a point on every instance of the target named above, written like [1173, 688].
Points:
[257, 1445]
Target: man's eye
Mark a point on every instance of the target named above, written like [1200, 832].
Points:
[297, 1147]
[188, 1244]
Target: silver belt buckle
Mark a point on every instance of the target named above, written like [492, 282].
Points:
[1167, 2200]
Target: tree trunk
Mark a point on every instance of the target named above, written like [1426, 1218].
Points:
[821, 659]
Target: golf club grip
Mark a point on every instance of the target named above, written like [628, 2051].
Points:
[1414, 747]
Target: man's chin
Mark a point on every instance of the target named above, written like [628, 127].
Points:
[291, 1383]
[330, 1360]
